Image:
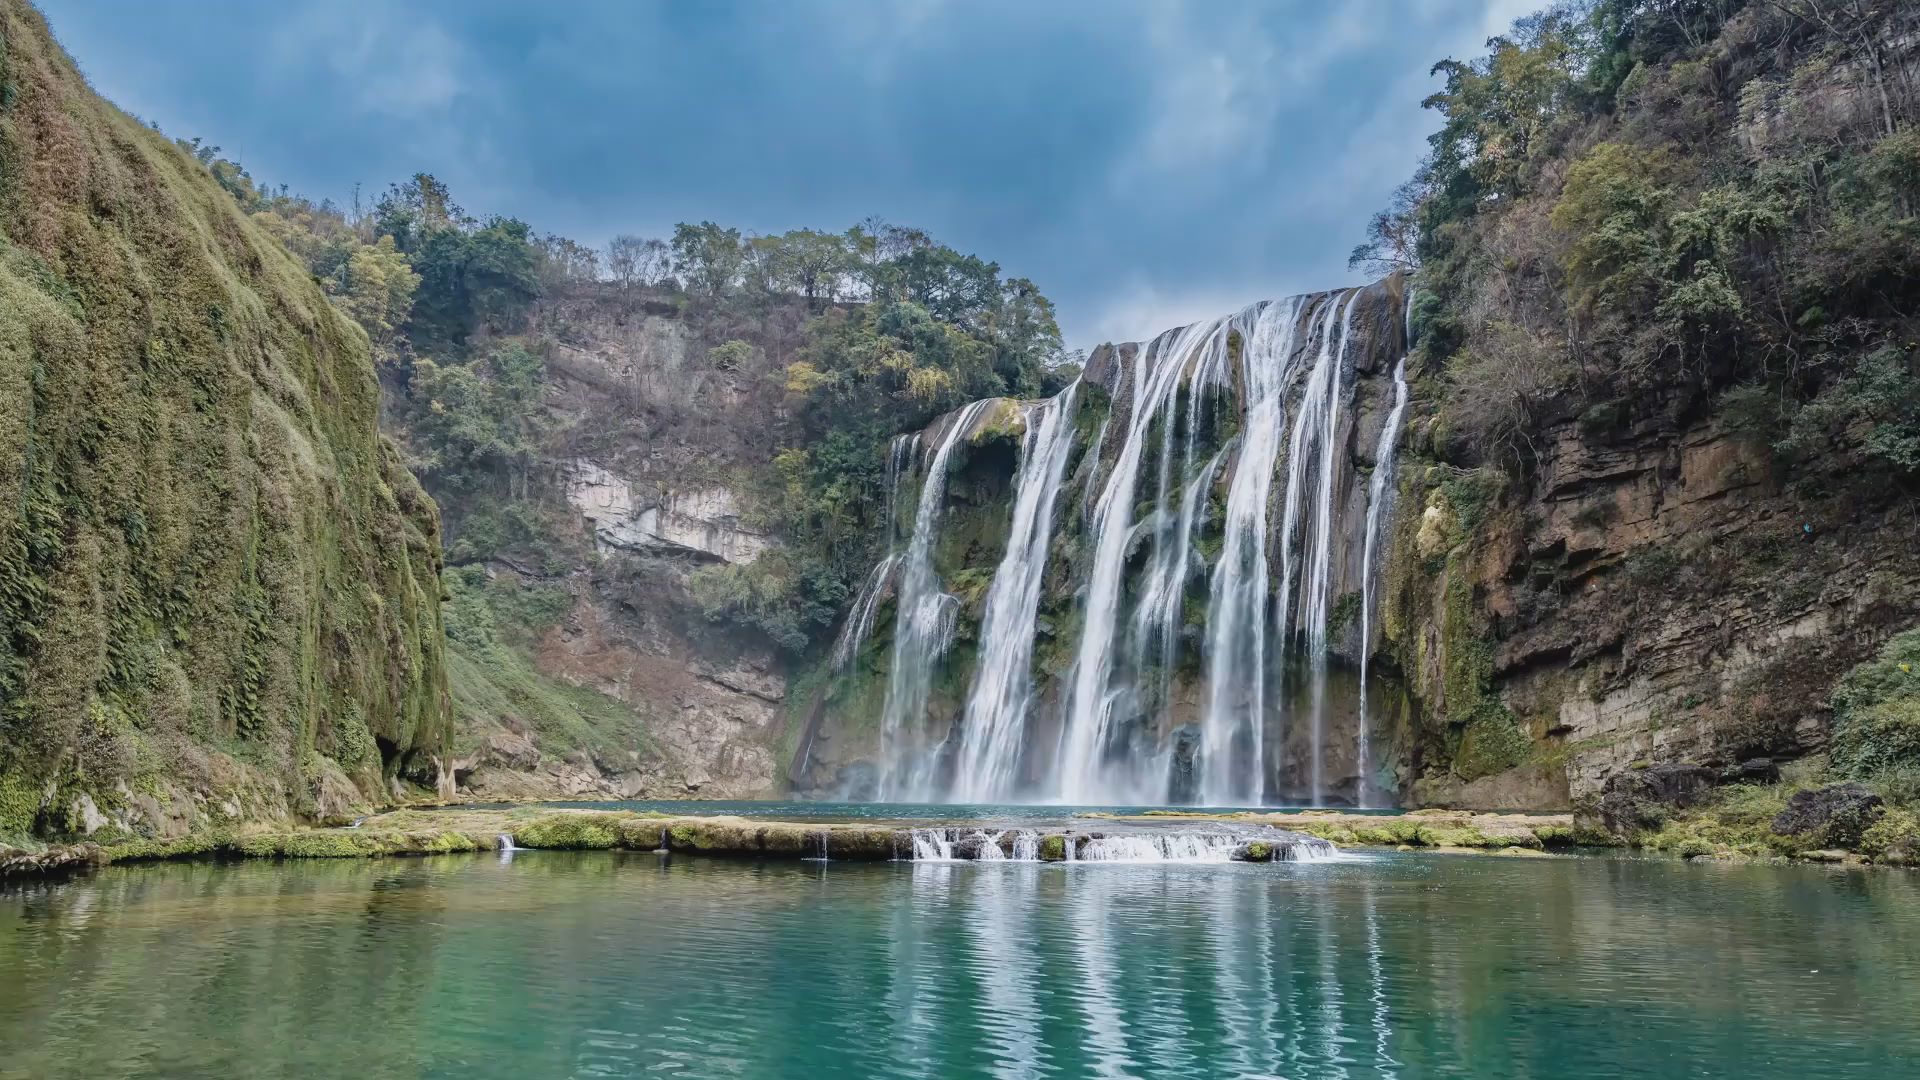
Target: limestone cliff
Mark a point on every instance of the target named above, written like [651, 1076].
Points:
[624, 688]
[219, 594]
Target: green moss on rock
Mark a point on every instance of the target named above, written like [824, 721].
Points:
[571, 831]
[207, 543]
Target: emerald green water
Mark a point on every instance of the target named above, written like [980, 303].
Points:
[553, 964]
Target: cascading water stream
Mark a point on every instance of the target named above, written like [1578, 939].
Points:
[1316, 415]
[924, 616]
[1318, 582]
[1081, 763]
[1236, 609]
[1379, 493]
[995, 719]
[866, 604]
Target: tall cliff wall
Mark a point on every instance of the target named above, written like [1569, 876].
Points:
[219, 594]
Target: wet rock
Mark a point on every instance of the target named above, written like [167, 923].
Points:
[1639, 799]
[1253, 851]
[1833, 816]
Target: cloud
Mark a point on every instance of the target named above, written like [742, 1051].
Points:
[385, 61]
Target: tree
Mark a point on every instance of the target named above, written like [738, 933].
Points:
[375, 288]
[813, 264]
[1393, 236]
[564, 261]
[708, 258]
[413, 211]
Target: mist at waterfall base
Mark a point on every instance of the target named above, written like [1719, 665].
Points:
[1225, 476]
[625, 964]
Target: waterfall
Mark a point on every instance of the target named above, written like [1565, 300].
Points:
[1153, 700]
[1379, 493]
[866, 604]
[1086, 734]
[1318, 414]
[924, 615]
[1236, 609]
[993, 728]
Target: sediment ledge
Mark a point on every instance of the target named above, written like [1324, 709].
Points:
[1248, 837]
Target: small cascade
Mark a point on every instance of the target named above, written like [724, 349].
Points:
[1161, 847]
[933, 845]
[858, 627]
[1026, 846]
[952, 844]
[991, 729]
[1379, 493]
[506, 842]
[924, 623]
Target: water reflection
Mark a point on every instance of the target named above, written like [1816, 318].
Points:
[611, 964]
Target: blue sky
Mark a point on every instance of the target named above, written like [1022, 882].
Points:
[1147, 162]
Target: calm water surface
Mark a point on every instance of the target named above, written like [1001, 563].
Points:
[552, 964]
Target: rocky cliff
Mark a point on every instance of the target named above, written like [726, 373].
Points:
[623, 688]
[219, 592]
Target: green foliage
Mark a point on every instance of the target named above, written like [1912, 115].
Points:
[491, 622]
[479, 425]
[1491, 742]
[1612, 206]
[207, 551]
[1874, 411]
[784, 595]
[472, 280]
[1876, 713]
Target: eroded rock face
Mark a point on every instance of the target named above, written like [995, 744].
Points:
[702, 522]
[1660, 593]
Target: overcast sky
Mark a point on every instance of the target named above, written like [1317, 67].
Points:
[1147, 162]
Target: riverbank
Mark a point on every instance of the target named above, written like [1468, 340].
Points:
[428, 832]
[1244, 835]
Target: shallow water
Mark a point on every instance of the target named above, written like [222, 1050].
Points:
[824, 812]
[546, 964]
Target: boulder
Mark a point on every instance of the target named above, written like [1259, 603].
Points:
[1752, 771]
[1638, 799]
[1835, 816]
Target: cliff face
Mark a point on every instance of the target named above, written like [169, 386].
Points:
[660, 448]
[1657, 592]
[219, 594]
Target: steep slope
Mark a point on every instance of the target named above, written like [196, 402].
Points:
[1664, 491]
[219, 594]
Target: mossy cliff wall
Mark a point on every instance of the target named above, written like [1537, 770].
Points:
[219, 591]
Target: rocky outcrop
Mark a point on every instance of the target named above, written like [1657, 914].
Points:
[703, 523]
[1836, 816]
